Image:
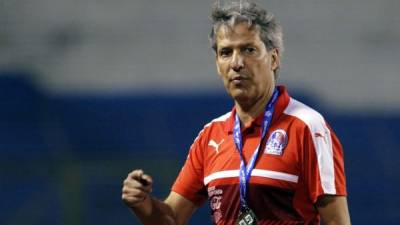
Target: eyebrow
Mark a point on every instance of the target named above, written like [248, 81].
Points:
[240, 46]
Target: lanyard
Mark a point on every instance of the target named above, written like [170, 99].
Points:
[245, 172]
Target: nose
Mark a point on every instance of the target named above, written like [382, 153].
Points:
[237, 63]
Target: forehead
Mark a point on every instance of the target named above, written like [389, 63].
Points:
[240, 33]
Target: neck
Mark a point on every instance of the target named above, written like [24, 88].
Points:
[249, 110]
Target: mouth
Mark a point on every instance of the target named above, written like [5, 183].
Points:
[238, 79]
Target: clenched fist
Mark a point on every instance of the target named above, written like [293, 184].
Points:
[136, 188]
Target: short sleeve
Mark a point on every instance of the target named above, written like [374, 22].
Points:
[323, 163]
[189, 182]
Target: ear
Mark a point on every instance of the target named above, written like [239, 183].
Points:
[275, 59]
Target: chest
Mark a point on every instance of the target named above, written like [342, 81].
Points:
[278, 163]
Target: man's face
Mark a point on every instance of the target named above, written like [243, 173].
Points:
[244, 64]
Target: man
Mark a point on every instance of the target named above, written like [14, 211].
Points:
[271, 160]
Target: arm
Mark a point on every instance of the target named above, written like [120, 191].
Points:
[333, 210]
[175, 210]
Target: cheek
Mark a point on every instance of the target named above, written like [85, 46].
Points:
[264, 66]
[221, 73]
[222, 68]
[263, 73]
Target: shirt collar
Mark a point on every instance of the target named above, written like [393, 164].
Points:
[280, 105]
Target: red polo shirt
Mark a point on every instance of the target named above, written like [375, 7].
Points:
[300, 160]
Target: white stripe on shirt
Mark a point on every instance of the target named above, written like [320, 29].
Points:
[255, 173]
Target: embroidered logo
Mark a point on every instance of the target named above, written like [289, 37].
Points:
[216, 145]
[277, 141]
[215, 196]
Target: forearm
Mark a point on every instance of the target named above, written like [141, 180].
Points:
[153, 211]
[175, 210]
[334, 210]
[337, 221]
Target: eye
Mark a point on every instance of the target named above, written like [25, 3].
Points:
[249, 50]
[225, 52]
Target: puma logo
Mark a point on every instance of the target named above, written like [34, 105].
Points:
[319, 135]
[216, 145]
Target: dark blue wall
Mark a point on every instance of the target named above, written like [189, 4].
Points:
[63, 159]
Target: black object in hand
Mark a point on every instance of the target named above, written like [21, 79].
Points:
[143, 181]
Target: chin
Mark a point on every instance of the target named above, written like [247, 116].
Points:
[240, 95]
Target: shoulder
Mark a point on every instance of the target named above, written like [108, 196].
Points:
[221, 120]
[216, 125]
[305, 114]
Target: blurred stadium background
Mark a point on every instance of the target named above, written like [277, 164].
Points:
[91, 89]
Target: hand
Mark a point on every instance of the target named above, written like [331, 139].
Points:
[136, 188]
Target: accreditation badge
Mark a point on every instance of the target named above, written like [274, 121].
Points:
[246, 217]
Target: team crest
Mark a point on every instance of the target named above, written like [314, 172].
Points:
[277, 141]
